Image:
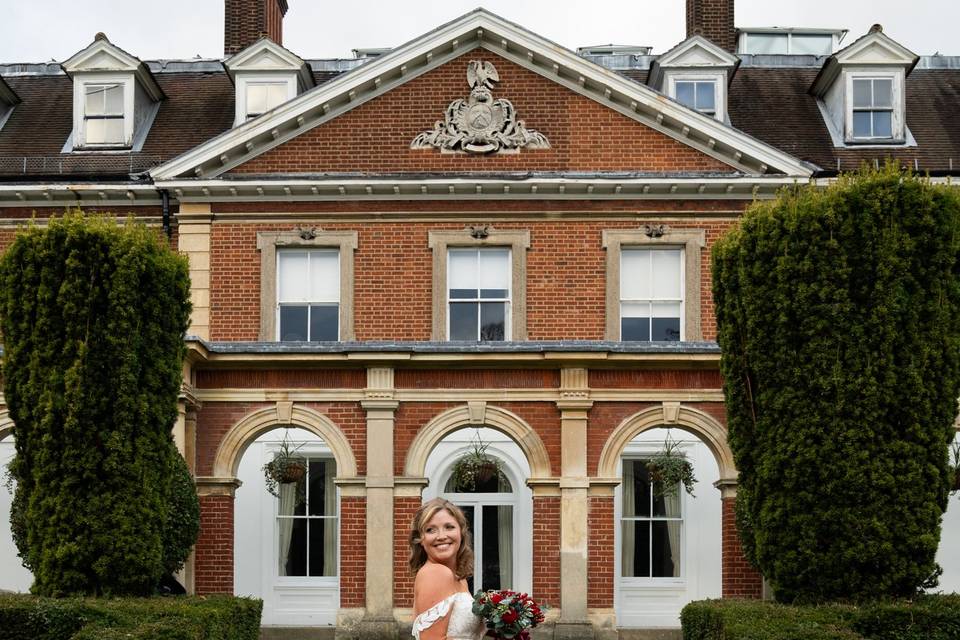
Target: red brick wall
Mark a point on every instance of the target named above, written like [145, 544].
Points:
[404, 508]
[654, 379]
[244, 21]
[583, 134]
[214, 549]
[281, 379]
[600, 553]
[546, 550]
[353, 551]
[566, 278]
[215, 419]
[740, 580]
[476, 379]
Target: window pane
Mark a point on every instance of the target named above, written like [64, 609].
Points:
[686, 94]
[497, 547]
[256, 98]
[668, 506]
[883, 124]
[462, 273]
[811, 45]
[324, 322]
[294, 276]
[113, 99]
[766, 43]
[463, 321]
[276, 95]
[666, 549]
[635, 321]
[883, 93]
[636, 489]
[293, 546]
[293, 322]
[634, 274]
[666, 274]
[705, 96]
[323, 547]
[861, 124]
[325, 276]
[493, 320]
[861, 93]
[666, 322]
[635, 549]
[494, 272]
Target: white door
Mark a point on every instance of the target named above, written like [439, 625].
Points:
[286, 549]
[13, 575]
[667, 548]
[499, 512]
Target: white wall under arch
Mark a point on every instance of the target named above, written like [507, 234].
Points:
[13, 575]
[440, 464]
[948, 553]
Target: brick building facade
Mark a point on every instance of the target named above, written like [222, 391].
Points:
[335, 265]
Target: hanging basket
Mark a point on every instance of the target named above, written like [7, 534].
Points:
[287, 467]
[474, 468]
[293, 470]
[669, 468]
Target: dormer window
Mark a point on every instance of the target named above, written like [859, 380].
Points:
[115, 98]
[697, 94]
[266, 75]
[872, 115]
[103, 114]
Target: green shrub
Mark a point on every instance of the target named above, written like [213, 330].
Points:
[180, 618]
[182, 517]
[838, 314]
[926, 618]
[93, 316]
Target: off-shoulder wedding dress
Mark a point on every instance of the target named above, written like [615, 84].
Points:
[461, 625]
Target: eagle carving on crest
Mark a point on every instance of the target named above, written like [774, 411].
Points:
[479, 124]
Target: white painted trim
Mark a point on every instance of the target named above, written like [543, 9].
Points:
[699, 74]
[480, 28]
[247, 78]
[80, 82]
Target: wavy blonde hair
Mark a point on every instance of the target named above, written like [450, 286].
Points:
[418, 555]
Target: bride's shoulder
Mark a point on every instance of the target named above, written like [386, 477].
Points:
[433, 583]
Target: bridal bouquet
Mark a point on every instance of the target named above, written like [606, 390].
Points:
[508, 614]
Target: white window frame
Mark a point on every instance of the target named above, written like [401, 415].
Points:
[246, 79]
[508, 301]
[691, 241]
[80, 84]
[645, 452]
[897, 101]
[719, 89]
[309, 251]
[653, 300]
[744, 44]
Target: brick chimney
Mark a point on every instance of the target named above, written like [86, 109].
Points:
[712, 19]
[245, 21]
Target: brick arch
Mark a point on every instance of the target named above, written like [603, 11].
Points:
[252, 426]
[695, 422]
[6, 424]
[478, 414]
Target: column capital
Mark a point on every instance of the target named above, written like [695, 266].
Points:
[379, 404]
[727, 486]
[217, 486]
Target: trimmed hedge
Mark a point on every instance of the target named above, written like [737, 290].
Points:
[925, 618]
[24, 617]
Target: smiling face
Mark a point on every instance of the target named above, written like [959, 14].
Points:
[441, 538]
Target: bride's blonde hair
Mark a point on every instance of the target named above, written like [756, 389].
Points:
[418, 556]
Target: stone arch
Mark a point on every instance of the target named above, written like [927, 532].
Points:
[6, 424]
[248, 429]
[478, 413]
[693, 421]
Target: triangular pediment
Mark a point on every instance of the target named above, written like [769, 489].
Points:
[480, 30]
[697, 51]
[875, 49]
[266, 56]
[102, 56]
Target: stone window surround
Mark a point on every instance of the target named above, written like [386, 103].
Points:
[692, 241]
[517, 240]
[269, 241]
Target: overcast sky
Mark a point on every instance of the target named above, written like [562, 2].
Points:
[43, 30]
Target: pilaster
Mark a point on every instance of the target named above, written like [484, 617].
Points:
[574, 404]
[194, 225]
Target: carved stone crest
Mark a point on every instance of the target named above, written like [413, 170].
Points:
[479, 124]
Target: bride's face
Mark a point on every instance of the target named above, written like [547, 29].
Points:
[441, 538]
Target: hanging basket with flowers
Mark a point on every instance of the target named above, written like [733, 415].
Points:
[669, 468]
[475, 468]
[286, 467]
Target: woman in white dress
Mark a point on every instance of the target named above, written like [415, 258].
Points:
[442, 559]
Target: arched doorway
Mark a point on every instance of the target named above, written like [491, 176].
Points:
[286, 547]
[667, 542]
[13, 575]
[498, 509]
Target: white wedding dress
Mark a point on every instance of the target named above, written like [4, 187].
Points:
[461, 625]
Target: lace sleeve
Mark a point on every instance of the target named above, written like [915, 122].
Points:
[426, 619]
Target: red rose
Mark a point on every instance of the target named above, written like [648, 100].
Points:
[496, 598]
[510, 616]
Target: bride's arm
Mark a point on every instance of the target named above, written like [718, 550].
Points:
[434, 584]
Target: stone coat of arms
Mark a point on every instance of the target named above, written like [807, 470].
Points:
[480, 124]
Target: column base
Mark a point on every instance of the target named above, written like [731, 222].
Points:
[370, 628]
[574, 630]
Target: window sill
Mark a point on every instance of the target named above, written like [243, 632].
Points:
[654, 584]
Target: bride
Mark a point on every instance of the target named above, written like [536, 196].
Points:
[441, 558]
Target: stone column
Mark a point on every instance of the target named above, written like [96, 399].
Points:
[739, 578]
[574, 505]
[380, 406]
[194, 223]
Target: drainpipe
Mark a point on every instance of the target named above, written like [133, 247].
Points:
[165, 200]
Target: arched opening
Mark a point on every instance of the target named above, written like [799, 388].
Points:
[497, 507]
[13, 575]
[286, 543]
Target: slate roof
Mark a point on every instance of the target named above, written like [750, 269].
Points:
[767, 100]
